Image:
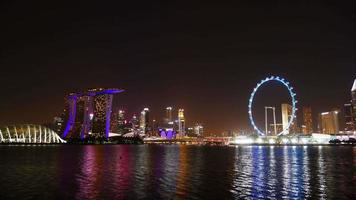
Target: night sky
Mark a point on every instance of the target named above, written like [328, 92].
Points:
[205, 58]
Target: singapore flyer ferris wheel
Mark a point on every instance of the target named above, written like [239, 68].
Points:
[291, 93]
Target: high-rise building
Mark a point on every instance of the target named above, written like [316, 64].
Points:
[353, 103]
[135, 123]
[155, 131]
[181, 123]
[307, 127]
[286, 116]
[57, 124]
[329, 122]
[198, 129]
[353, 97]
[118, 122]
[169, 114]
[168, 123]
[89, 113]
[349, 122]
[350, 111]
[144, 120]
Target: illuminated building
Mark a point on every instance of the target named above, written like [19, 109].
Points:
[118, 122]
[353, 103]
[28, 134]
[190, 132]
[57, 124]
[154, 128]
[353, 98]
[350, 111]
[329, 122]
[168, 123]
[135, 123]
[349, 123]
[89, 113]
[144, 121]
[279, 127]
[198, 129]
[286, 116]
[181, 123]
[307, 121]
[169, 114]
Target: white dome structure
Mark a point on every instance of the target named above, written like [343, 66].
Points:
[28, 134]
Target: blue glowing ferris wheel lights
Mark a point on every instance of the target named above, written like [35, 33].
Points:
[291, 93]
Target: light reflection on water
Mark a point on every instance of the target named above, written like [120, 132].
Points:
[177, 172]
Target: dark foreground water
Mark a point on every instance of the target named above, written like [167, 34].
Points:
[176, 172]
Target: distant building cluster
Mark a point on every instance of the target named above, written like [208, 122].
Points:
[169, 127]
[89, 114]
[328, 122]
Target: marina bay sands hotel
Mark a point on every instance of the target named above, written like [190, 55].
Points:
[88, 113]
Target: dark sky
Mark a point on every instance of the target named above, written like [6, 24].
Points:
[203, 57]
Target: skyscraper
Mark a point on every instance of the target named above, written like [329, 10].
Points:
[353, 103]
[286, 116]
[350, 111]
[135, 123]
[181, 123]
[329, 122]
[307, 121]
[168, 123]
[349, 122]
[169, 114]
[144, 120]
[89, 113]
[198, 129]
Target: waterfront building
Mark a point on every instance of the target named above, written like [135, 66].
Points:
[279, 128]
[190, 132]
[329, 122]
[134, 123]
[28, 134]
[286, 110]
[144, 121]
[169, 114]
[198, 129]
[349, 122]
[353, 106]
[307, 127]
[181, 123]
[57, 124]
[353, 98]
[89, 113]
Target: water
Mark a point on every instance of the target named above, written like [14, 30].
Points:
[176, 172]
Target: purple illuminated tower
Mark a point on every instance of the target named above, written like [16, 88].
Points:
[89, 113]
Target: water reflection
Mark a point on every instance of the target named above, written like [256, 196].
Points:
[90, 178]
[278, 172]
[177, 172]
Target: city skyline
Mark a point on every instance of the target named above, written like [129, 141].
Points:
[182, 57]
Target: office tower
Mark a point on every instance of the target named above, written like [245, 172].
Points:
[168, 123]
[307, 121]
[353, 103]
[155, 131]
[329, 122]
[57, 124]
[169, 114]
[181, 123]
[198, 129]
[135, 123]
[89, 113]
[353, 97]
[144, 120]
[286, 116]
[349, 123]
